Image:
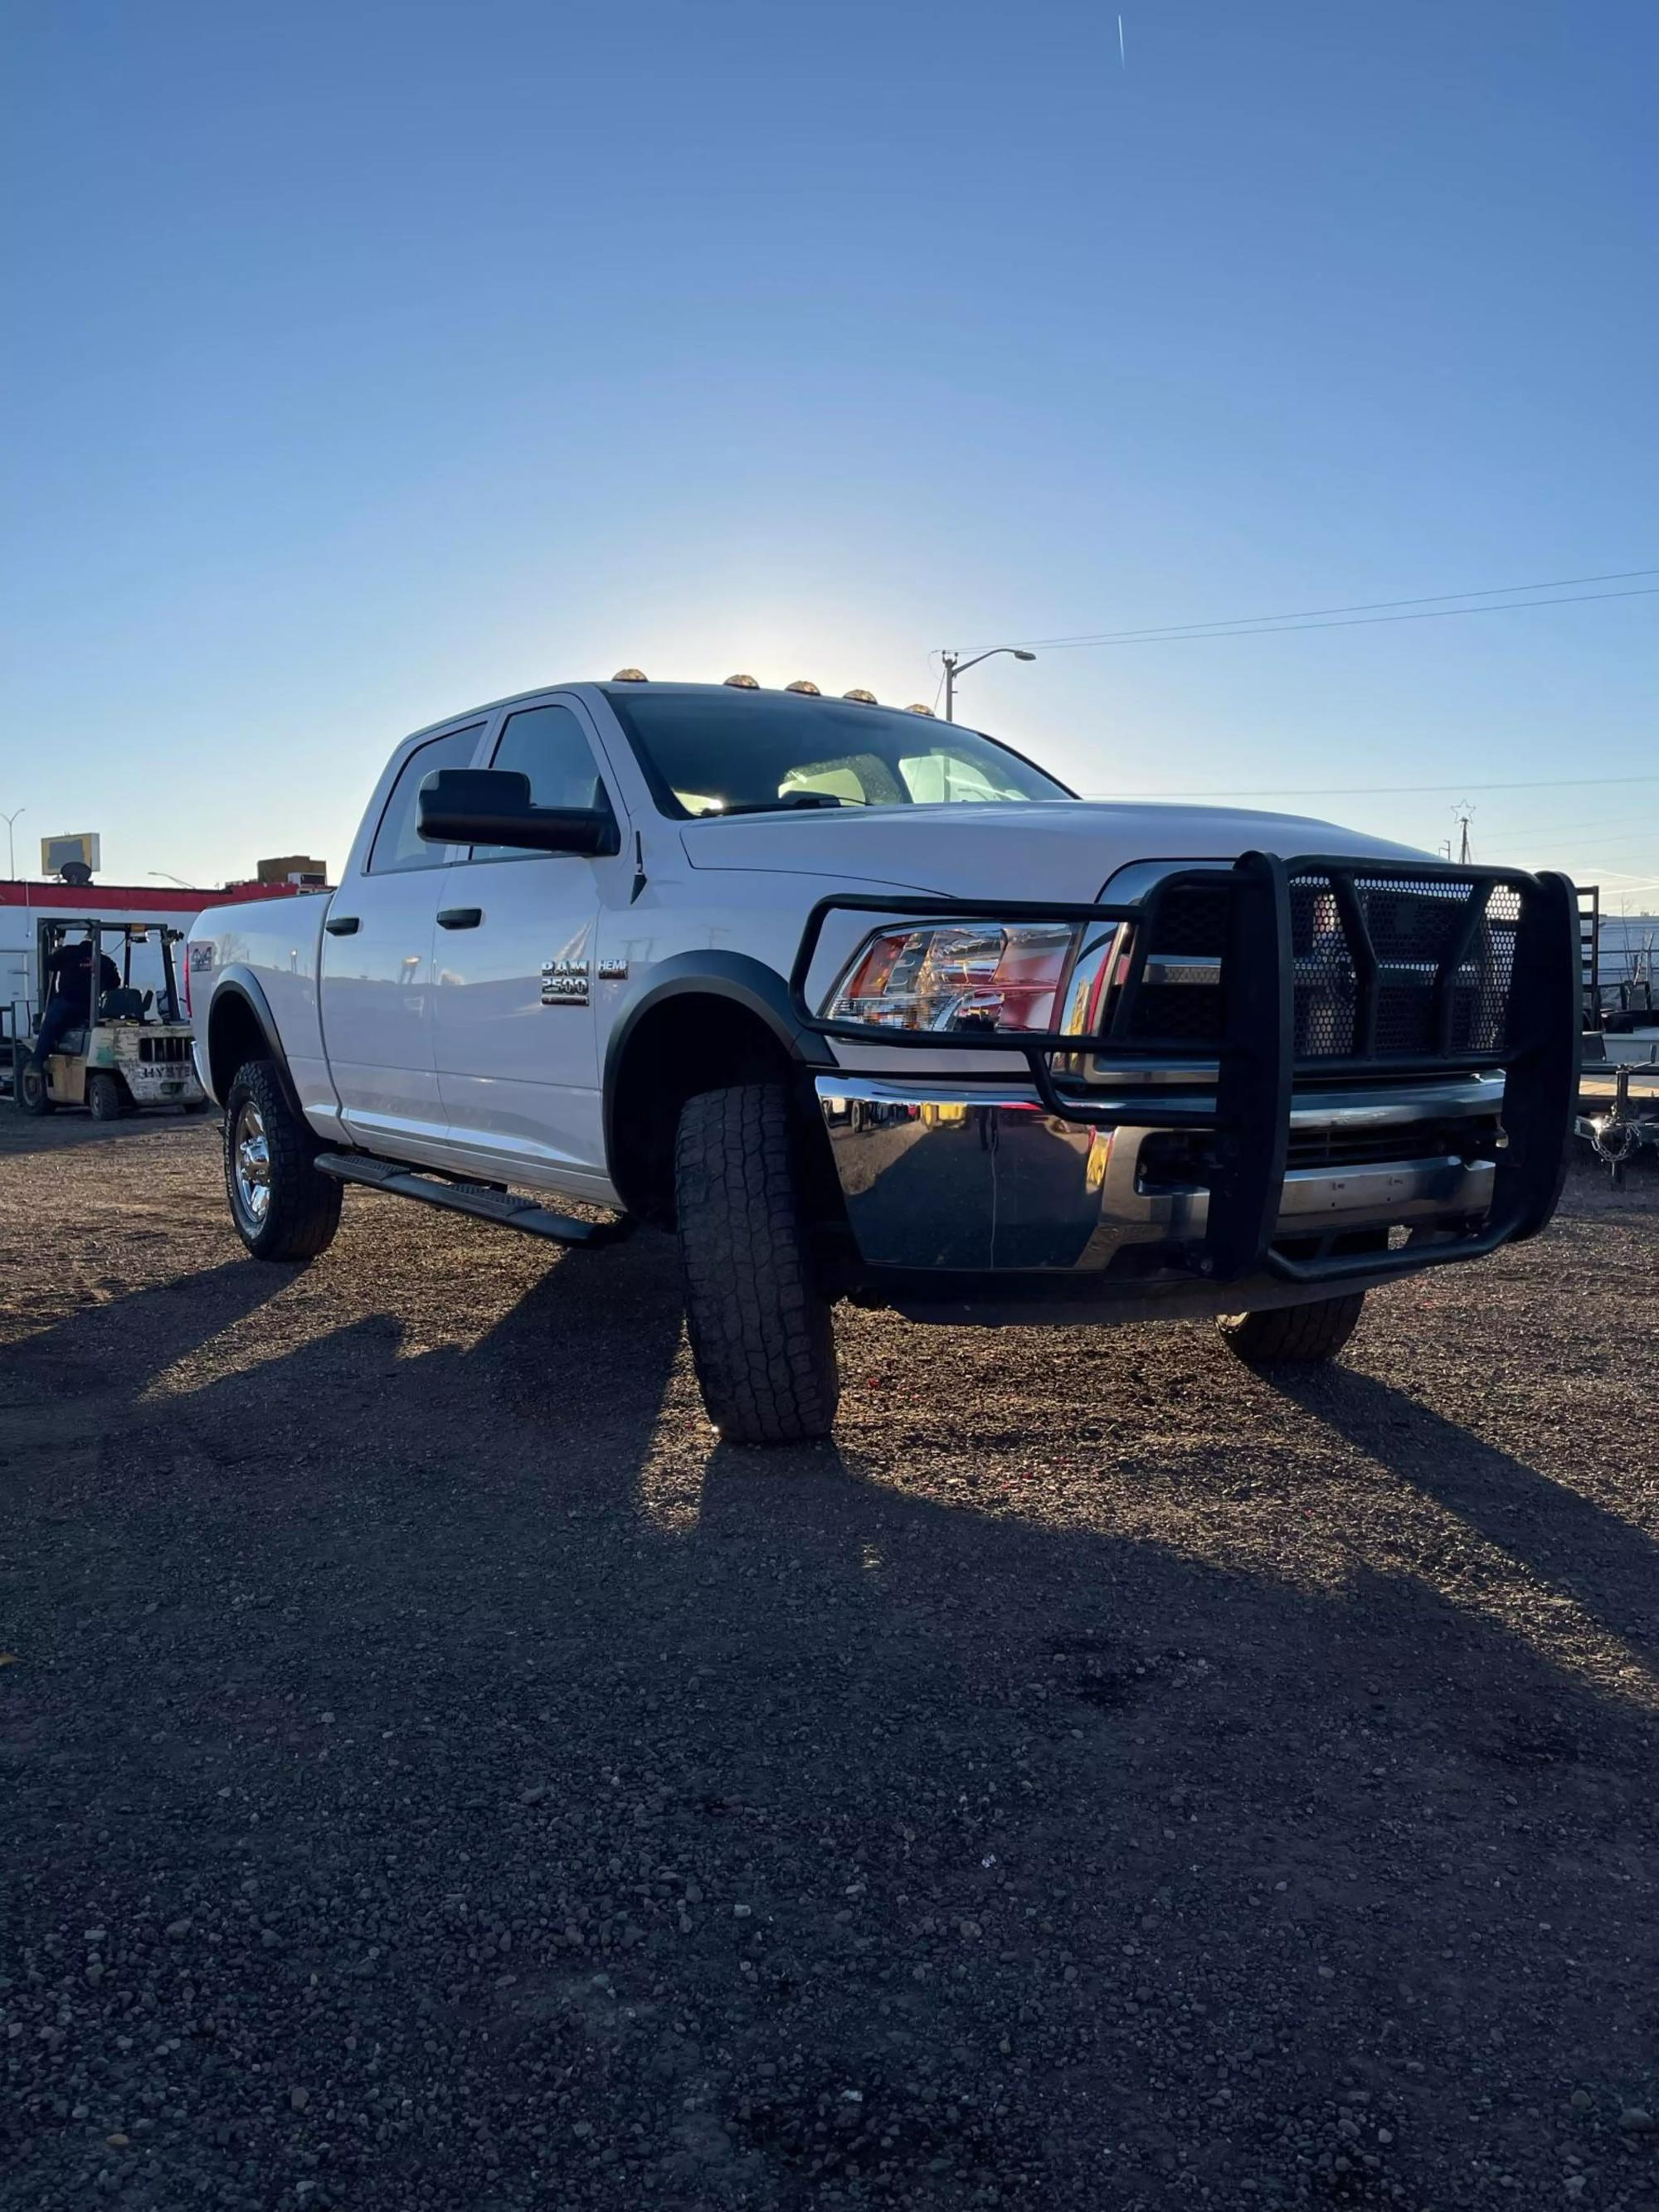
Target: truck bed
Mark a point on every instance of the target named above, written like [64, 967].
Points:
[277, 945]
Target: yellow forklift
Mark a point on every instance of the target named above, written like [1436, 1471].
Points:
[129, 1048]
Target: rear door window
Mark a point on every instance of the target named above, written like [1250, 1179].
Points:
[397, 844]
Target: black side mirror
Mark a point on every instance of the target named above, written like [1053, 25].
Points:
[493, 806]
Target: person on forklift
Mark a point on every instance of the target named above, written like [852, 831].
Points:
[70, 1004]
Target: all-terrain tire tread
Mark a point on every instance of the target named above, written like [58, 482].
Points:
[763, 1337]
[305, 1206]
[1293, 1335]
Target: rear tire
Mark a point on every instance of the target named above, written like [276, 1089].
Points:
[29, 1087]
[106, 1097]
[763, 1338]
[282, 1207]
[1293, 1335]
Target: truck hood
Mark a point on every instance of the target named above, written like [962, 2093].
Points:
[1067, 851]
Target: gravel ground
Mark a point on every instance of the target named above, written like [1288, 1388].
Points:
[437, 1774]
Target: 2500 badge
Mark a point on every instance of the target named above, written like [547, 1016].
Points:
[564, 982]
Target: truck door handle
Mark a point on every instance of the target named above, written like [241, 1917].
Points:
[460, 917]
[343, 925]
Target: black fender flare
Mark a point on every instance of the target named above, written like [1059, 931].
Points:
[237, 982]
[737, 977]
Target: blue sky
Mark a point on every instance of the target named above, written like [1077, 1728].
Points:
[375, 359]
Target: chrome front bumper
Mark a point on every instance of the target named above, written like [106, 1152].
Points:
[962, 1178]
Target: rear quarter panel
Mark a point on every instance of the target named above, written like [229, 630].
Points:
[275, 942]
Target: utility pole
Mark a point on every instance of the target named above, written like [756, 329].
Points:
[1461, 814]
[11, 847]
[955, 665]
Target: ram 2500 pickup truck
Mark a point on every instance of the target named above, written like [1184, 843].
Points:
[866, 1006]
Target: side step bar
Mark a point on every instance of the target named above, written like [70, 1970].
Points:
[479, 1199]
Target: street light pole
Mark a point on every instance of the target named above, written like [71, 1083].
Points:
[11, 847]
[955, 665]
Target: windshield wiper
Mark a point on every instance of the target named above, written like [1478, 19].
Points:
[798, 799]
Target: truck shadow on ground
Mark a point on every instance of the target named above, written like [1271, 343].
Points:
[1605, 1562]
[502, 1623]
[92, 1366]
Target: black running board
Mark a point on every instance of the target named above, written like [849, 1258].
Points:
[479, 1199]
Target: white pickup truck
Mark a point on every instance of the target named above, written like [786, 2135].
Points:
[865, 1005]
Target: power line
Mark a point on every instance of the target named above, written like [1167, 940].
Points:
[1512, 833]
[1567, 829]
[1196, 636]
[1381, 790]
[1232, 624]
[1567, 837]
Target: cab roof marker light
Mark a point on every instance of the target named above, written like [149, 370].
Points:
[919, 709]
[863, 698]
[742, 682]
[805, 684]
[630, 676]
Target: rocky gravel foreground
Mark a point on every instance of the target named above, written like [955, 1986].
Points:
[435, 1772]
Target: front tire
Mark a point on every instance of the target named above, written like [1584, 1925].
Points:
[1293, 1335]
[763, 1338]
[283, 1209]
[106, 1097]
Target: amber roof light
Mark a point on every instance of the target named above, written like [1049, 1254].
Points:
[864, 698]
[919, 709]
[804, 683]
[742, 682]
[630, 676]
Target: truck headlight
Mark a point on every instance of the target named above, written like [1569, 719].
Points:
[957, 975]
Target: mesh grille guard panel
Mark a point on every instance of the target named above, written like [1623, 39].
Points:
[1384, 967]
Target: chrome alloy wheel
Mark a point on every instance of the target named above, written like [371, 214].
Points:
[250, 1155]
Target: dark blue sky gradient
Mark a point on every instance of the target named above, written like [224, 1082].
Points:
[376, 359]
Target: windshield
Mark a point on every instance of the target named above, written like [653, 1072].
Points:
[729, 751]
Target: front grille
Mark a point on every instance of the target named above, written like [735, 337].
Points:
[1347, 1147]
[1183, 1013]
[1414, 934]
[170, 1049]
[1182, 1160]
[1192, 918]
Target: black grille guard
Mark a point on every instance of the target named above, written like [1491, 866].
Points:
[1258, 1067]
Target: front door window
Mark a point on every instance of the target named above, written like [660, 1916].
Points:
[548, 745]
